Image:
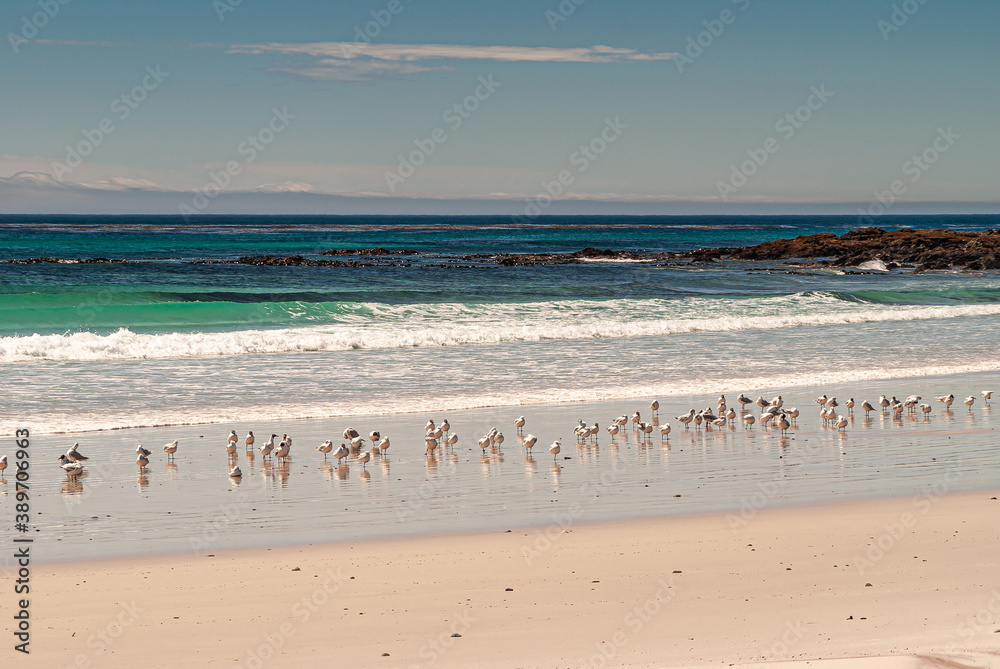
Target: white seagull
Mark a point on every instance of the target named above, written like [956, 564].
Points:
[555, 448]
[341, 452]
[232, 437]
[75, 455]
[987, 396]
[325, 447]
[71, 468]
[170, 449]
[519, 423]
[249, 440]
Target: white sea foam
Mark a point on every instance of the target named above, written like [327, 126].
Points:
[374, 326]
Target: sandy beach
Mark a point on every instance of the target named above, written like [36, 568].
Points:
[902, 580]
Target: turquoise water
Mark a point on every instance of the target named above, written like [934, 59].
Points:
[228, 340]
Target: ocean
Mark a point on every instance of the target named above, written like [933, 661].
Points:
[175, 345]
[170, 340]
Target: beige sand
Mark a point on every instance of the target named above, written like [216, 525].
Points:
[766, 586]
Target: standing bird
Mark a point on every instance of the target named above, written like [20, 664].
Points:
[762, 403]
[793, 413]
[383, 443]
[445, 426]
[635, 420]
[268, 446]
[744, 400]
[821, 400]
[281, 452]
[529, 442]
[232, 437]
[867, 407]
[850, 405]
[342, 452]
[364, 457]
[987, 396]
[519, 424]
[731, 415]
[832, 403]
[235, 473]
[170, 449]
[75, 455]
[231, 448]
[71, 468]
[665, 430]
[748, 421]
[139, 450]
[969, 401]
[613, 430]
[249, 440]
[926, 408]
[374, 436]
[654, 407]
[140, 460]
[778, 402]
[429, 426]
[883, 402]
[484, 443]
[555, 448]
[947, 400]
[3, 465]
[351, 433]
[325, 447]
[784, 424]
[687, 418]
[498, 439]
[841, 423]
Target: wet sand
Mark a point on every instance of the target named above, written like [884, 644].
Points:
[785, 584]
[192, 506]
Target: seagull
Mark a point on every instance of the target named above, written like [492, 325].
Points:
[235, 473]
[519, 424]
[867, 407]
[554, 449]
[351, 433]
[429, 426]
[793, 413]
[841, 423]
[833, 403]
[364, 458]
[231, 448]
[484, 443]
[71, 468]
[748, 421]
[170, 449]
[987, 396]
[686, 418]
[325, 448]
[232, 437]
[665, 429]
[744, 400]
[731, 415]
[383, 444]
[635, 419]
[374, 436]
[3, 464]
[529, 442]
[969, 401]
[430, 443]
[697, 420]
[498, 439]
[926, 408]
[850, 405]
[883, 402]
[75, 455]
[445, 426]
[946, 399]
[654, 406]
[267, 446]
[821, 400]
[282, 450]
[357, 443]
[342, 452]
[249, 440]
[140, 460]
[911, 402]
[139, 450]
[784, 424]
[646, 428]
[765, 418]
[777, 401]
[613, 430]
[762, 403]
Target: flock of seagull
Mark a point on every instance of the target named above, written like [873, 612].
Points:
[437, 436]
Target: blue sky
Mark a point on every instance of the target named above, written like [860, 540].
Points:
[346, 111]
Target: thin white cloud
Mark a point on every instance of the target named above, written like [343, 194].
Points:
[73, 42]
[350, 61]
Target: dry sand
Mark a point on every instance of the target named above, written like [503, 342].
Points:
[770, 586]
